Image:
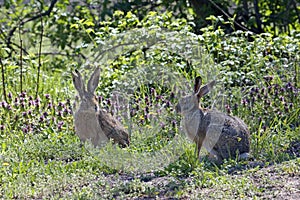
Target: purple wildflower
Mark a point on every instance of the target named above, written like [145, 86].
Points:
[42, 118]
[108, 102]
[268, 102]
[61, 105]
[228, 109]
[9, 95]
[244, 102]
[259, 119]
[146, 110]
[45, 114]
[286, 108]
[288, 85]
[49, 106]
[3, 104]
[25, 129]
[162, 125]
[172, 95]
[153, 92]
[269, 89]
[23, 94]
[158, 111]
[8, 107]
[29, 112]
[68, 102]
[146, 116]
[60, 114]
[168, 104]
[259, 96]
[60, 124]
[174, 123]
[37, 102]
[268, 78]
[47, 96]
[281, 98]
[31, 103]
[158, 97]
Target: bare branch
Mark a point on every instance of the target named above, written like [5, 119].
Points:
[257, 16]
[296, 9]
[39, 65]
[228, 16]
[21, 62]
[47, 12]
[3, 79]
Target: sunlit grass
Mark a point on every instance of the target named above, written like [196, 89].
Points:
[41, 157]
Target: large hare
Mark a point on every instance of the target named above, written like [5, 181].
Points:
[92, 123]
[223, 136]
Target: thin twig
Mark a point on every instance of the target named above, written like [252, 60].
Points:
[18, 46]
[39, 65]
[47, 12]
[296, 9]
[228, 16]
[3, 79]
[257, 16]
[21, 61]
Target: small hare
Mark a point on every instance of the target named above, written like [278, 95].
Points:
[223, 136]
[92, 123]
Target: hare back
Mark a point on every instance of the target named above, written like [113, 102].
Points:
[229, 135]
[88, 128]
[113, 129]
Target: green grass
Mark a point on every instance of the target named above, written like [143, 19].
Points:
[42, 158]
[47, 160]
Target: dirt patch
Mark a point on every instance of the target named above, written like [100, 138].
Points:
[279, 181]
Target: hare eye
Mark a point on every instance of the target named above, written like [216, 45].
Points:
[96, 108]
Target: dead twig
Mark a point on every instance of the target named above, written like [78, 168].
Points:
[39, 62]
[3, 79]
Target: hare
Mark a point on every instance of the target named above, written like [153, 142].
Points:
[92, 123]
[223, 136]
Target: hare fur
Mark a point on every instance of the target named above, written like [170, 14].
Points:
[223, 136]
[91, 123]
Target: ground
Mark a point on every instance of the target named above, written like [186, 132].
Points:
[276, 181]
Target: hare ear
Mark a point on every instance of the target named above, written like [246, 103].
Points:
[78, 83]
[94, 80]
[206, 88]
[198, 82]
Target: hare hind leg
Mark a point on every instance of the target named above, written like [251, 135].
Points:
[244, 156]
[214, 157]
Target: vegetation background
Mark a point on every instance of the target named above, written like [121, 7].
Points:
[148, 50]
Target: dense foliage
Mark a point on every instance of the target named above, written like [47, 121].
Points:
[149, 55]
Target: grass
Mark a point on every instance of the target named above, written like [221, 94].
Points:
[42, 158]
